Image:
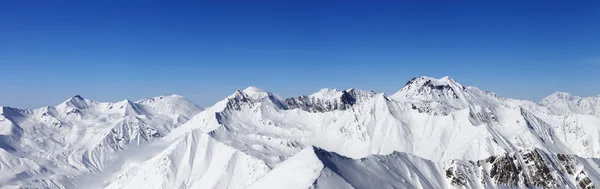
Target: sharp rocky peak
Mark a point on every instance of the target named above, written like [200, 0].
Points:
[126, 102]
[425, 81]
[127, 107]
[250, 95]
[76, 98]
[326, 100]
[77, 102]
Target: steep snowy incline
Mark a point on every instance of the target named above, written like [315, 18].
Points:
[298, 172]
[396, 170]
[51, 145]
[191, 160]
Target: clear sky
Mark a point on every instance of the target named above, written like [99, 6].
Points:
[112, 50]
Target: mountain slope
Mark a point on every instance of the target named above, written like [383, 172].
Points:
[51, 145]
[432, 133]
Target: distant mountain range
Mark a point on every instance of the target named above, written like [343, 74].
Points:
[433, 133]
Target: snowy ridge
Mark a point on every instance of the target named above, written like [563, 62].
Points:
[49, 146]
[564, 103]
[377, 171]
[432, 133]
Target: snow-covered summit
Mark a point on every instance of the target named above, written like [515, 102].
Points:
[562, 102]
[557, 96]
[327, 94]
[250, 92]
[77, 102]
[255, 92]
[428, 88]
[254, 89]
[172, 105]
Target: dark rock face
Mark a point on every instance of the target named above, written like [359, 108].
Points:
[435, 108]
[239, 99]
[504, 172]
[538, 170]
[310, 104]
[572, 167]
[348, 99]
[585, 182]
[523, 169]
[456, 177]
[446, 89]
[422, 86]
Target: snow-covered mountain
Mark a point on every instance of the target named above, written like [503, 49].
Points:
[565, 103]
[432, 133]
[50, 146]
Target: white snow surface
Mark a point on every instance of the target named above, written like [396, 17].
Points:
[565, 103]
[50, 146]
[329, 139]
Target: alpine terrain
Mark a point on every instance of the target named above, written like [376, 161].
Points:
[432, 133]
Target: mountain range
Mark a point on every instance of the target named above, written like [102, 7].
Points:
[432, 133]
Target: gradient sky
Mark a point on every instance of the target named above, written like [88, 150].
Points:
[113, 50]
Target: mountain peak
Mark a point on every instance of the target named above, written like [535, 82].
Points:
[125, 102]
[446, 80]
[255, 92]
[172, 97]
[558, 96]
[176, 96]
[253, 89]
[328, 90]
[251, 92]
[566, 102]
[77, 102]
[426, 86]
[351, 89]
[327, 94]
[171, 104]
[128, 107]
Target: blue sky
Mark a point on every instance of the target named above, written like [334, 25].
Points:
[112, 50]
